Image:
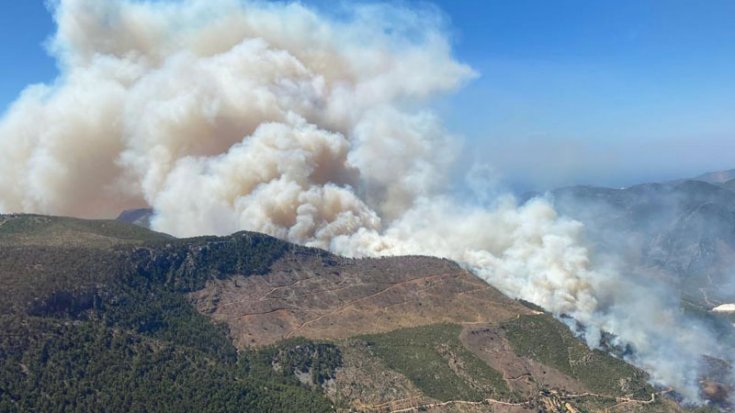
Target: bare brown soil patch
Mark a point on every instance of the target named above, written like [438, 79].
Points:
[327, 297]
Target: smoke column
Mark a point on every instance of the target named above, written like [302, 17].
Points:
[225, 115]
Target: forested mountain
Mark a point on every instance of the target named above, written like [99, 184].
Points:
[107, 316]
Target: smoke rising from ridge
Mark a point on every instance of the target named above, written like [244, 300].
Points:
[227, 115]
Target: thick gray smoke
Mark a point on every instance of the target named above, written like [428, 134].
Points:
[225, 115]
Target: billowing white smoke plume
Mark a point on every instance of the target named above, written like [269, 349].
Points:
[225, 115]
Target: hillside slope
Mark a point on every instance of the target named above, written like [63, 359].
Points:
[107, 316]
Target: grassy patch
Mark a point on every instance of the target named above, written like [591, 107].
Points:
[62, 231]
[550, 342]
[435, 360]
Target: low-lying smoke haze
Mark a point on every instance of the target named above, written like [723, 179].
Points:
[228, 115]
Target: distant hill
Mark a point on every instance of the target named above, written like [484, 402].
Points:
[107, 316]
[141, 217]
[683, 231]
[717, 177]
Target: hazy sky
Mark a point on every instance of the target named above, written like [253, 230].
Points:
[570, 91]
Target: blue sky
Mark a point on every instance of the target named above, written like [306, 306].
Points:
[24, 25]
[608, 92]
